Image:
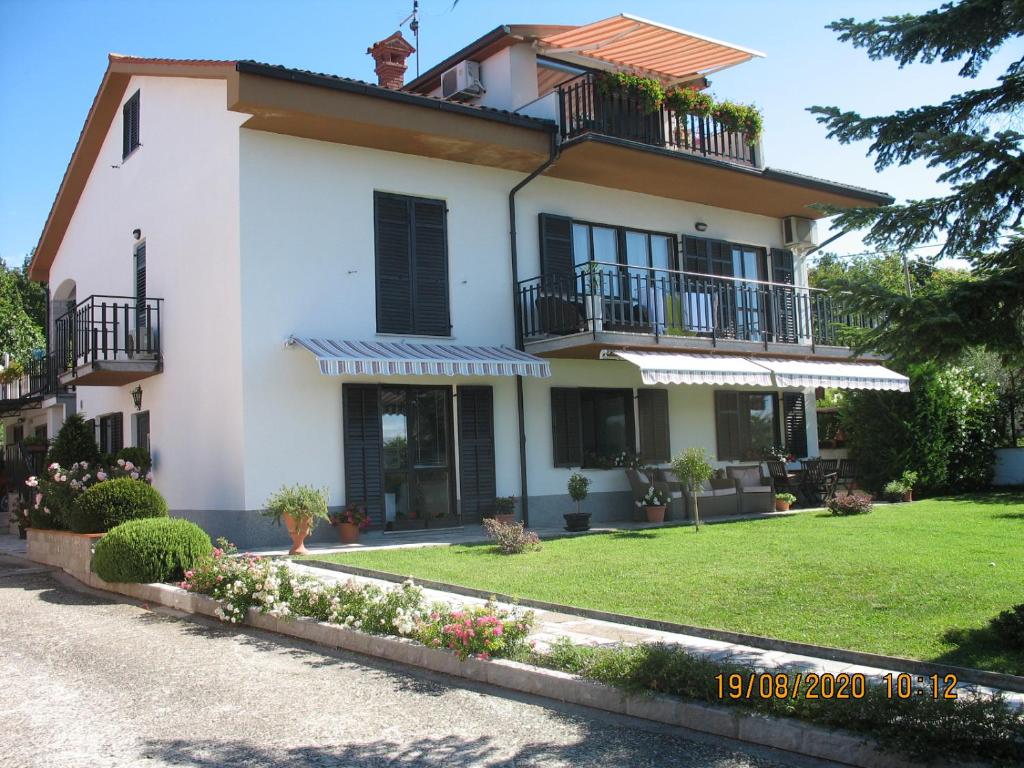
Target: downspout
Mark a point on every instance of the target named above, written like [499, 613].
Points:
[518, 315]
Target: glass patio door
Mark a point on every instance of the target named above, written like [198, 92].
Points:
[416, 427]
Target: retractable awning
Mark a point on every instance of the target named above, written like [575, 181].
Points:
[666, 368]
[804, 373]
[396, 358]
[663, 368]
[630, 42]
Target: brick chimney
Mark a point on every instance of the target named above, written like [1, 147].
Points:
[390, 55]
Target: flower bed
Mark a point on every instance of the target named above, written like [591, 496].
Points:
[57, 489]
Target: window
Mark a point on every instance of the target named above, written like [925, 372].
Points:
[130, 126]
[746, 424]
[142, 430]
[591, 428]
[412, 265]
[111, 433]
[40, 431]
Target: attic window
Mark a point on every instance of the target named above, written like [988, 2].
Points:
[130, 126]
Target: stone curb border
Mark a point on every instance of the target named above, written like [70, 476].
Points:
[981, 677]
[777, 733]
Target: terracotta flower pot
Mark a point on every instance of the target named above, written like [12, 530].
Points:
[509, 518]
[298, 530]
[348, 533]
[908, 495]
[655, 514]
[781, 506]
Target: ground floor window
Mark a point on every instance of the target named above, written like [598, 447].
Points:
[111, 433]
[746, 424]
[592, 428]
[142, 430]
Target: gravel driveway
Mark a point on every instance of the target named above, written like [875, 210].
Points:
[91, 682]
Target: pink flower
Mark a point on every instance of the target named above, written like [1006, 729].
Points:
[32, 482]
[101, 475]
[128, 466]
[39, 500]
[149, 476]
[54, 466]
[135, 475]
[120, 462]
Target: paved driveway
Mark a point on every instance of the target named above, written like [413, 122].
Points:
[90, 682]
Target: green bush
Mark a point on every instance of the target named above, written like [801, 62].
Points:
[1009, 627]
[154, 550]
[76, 441]
[112, 502]
[138, 456]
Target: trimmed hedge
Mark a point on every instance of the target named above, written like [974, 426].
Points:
[112, 502]
[153, 550]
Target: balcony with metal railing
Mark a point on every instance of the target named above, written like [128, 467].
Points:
[108, 340]
[601, 304]
[583, 107]
[31, 386]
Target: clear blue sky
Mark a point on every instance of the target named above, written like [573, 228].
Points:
[53, 54]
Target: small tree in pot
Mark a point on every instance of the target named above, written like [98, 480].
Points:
[578, 487]
[693, 468]
[300, 506]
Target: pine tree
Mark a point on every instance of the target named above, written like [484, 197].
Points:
[974, 138]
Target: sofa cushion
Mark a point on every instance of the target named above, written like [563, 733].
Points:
[757, 489]
[724, 492]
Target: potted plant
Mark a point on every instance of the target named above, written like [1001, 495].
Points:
[783, 501]
[300, 506]
[909, 480]
[505, 509]
[578, 486]
[349, 522]
[693, 468]
[901, 489]
[654, 505]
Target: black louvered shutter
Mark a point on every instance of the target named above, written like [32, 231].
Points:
[783, 305]
[430, 268]
[476, 452]
[116, 432]
[565, 427]
[362, 449]
[140, 288]
[556, 254]
[393, 246]
[130, 125]
[795, 418]
[727, 424]
[654, 430]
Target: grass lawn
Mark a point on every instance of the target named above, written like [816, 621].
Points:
[895, 581]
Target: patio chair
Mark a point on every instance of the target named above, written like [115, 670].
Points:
[817, 483]
[846, 475]
[755, 490]
[560, 316]
[783, 481]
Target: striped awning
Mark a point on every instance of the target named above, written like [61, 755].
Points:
[663, 368]
[397, 358]
[666, 368]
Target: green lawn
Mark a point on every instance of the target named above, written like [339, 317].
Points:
[895, 581]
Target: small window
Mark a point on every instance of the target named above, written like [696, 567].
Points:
[142, 430]
[591, 428]
[747, 424]
[111, 433]
[130, 126]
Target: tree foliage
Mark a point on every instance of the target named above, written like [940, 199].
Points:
[973, 140]
[20, 334]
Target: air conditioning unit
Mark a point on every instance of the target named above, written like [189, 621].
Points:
[462, 82]
[799, 234]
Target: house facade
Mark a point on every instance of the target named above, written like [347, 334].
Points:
[424, 295]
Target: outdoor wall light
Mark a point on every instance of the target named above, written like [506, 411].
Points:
[137, 398]
[700, 226]
[137, 234]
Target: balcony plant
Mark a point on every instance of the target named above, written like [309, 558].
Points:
[783, 501]
[505, 509]
[647, 90]
[349, 522]
[578, 487]
[14, 371]
[690, 101]
[693, 469]
[654, 503]
[300, 507]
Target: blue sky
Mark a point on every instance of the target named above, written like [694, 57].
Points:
[53, 54]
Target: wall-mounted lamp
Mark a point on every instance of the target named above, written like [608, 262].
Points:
[700, 226]
[137, 398]
[137, 234]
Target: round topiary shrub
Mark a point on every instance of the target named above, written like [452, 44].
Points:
[113, 502]
[144, 551]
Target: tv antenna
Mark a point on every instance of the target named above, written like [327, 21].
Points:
[413, 20]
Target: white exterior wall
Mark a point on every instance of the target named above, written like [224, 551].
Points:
[180, 189]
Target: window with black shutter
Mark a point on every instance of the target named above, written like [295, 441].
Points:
[130, 125]
[476, 451]
[746, 424]
[556, 250]
[111, 433]
[362, 448]
[565, 427]
[591, 427]
[795, 418]
[652, 407]
[140, 285]
[411, 246]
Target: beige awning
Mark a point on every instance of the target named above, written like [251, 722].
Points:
[805, 373]
[630, 42]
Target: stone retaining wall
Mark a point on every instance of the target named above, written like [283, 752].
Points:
[71, 552]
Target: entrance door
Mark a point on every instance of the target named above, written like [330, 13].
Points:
[416, 431]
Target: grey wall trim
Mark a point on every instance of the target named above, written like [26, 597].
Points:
[248, 529]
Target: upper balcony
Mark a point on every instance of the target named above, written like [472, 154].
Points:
[36, 383]
[584, 107]
[109, 341]
[603, 305]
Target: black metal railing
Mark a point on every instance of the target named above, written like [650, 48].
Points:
[585, 107]
[611, 297]
[38, 380]
[107, 328]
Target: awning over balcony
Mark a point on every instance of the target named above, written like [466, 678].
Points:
[396, 358]
[663, 368]
[804, 373]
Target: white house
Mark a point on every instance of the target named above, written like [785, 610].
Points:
[423, 295]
